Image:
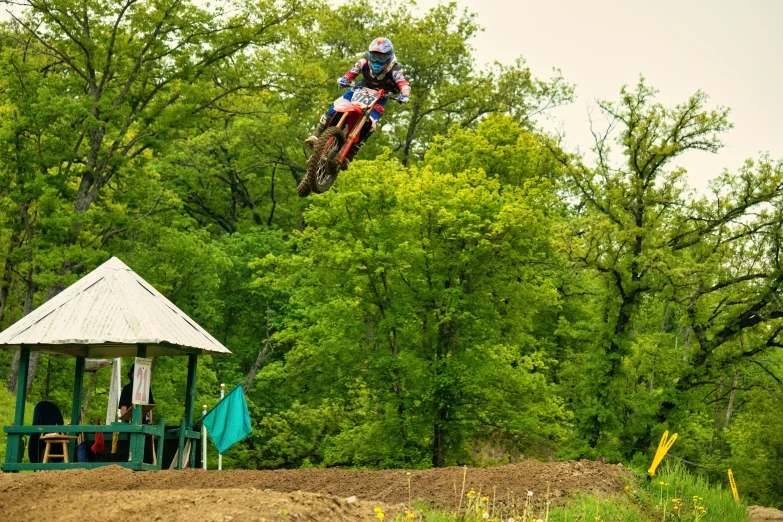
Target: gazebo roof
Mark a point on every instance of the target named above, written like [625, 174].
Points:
[108, 313]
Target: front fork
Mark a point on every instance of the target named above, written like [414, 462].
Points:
[353, 137]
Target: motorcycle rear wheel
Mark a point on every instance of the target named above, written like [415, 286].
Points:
[323, 165]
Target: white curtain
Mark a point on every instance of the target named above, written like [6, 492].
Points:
[114, 390]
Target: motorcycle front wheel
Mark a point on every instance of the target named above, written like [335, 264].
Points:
[323, 165]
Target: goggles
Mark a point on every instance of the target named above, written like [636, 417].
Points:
[380, 58]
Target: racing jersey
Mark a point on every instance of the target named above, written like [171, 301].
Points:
[392, 81]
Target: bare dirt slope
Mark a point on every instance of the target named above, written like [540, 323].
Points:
[196, 505]
[115, 493]
[762, 514]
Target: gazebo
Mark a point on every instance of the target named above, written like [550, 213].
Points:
[110, 312]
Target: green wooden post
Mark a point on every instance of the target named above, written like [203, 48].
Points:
[137, 439]
[76, 403]
[160, 442]
[190, 393]
[187, 418]
[13, 451]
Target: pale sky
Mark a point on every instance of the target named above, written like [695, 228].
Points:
[732, 50]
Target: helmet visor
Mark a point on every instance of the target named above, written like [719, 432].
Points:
[380, 58]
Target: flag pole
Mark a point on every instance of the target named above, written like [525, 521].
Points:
[204, 440]
[220, 455]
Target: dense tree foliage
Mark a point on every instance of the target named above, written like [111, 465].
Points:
[469, 292]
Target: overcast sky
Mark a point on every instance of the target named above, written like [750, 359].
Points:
[732, 50]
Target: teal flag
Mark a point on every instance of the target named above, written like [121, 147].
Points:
[229, 421]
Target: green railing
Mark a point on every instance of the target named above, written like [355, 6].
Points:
[136, 432]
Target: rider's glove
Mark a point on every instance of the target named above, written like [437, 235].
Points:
[343, 82]
[404, 98]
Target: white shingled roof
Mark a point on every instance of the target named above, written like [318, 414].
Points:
[107, 313]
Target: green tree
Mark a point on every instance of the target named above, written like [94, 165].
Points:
[647, 238]
[96, 89]
[415, 291]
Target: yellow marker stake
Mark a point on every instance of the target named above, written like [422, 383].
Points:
[733, 486]
[664, 446]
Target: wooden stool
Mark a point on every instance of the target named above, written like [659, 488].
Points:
[56, 438]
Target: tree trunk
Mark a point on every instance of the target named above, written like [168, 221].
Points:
[411, 134]
[32, 286]
[48, 378]
[730, 407]
[394, 347]
[441, 402]
[439, 444]
[86, 403]
[664, 324]
[262, 355]
[35, 357]
[5, 283]
[13, 373]
[718, 393]
[272, 197]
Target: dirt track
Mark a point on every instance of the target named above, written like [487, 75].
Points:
[114, 493]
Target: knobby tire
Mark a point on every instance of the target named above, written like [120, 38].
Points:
[323, 165]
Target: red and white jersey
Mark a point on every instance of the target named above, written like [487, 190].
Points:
[391, 81]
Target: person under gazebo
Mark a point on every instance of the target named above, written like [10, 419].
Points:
[126, 398]
[126, 401]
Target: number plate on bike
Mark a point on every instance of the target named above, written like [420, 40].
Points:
[364, 97]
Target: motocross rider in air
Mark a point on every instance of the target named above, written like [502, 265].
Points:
[380, 71]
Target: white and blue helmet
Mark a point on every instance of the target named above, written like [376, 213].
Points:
[380, 55]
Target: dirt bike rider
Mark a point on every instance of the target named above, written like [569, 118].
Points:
[380, 71]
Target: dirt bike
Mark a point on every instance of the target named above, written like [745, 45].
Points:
[335, 142]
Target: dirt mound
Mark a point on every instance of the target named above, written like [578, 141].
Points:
[208, 505]
[438, 486]
[762, 514]
[115, 493]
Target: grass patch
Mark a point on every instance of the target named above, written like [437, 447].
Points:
[674, 495]
[7, 409]
[677, 494]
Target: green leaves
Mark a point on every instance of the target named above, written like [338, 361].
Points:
[422, 285]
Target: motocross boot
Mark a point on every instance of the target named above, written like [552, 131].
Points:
[351, 153]
[322, 125]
